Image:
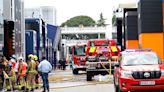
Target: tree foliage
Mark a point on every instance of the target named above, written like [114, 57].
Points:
[101, 21]
[113, 19]
[79, 20]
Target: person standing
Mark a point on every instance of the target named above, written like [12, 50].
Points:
[31, 73]
[2, 68]
[44, 68]
[11, 73]
[63, 63]
[22, 68]
[37, 75]
[13, 61]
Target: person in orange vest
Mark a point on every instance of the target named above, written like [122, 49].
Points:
[31, 73]
[37, 75]
[22, 68]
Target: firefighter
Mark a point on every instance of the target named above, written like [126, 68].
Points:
[13, 61]
[5, 61]
[11, 73]
[37, 75]
[31, 73]
[2, 68]
[22, 68]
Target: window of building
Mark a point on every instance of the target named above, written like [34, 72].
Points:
[79, 36]
[102, 36]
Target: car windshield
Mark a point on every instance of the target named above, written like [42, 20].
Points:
[140, 59]
[80, 51]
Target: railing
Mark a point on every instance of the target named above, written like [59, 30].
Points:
[82, 28]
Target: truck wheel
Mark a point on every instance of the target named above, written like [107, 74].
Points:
[89, 76]
[75, 71]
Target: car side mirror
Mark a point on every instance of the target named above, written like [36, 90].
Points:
[117, 64]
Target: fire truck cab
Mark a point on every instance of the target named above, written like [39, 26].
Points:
[78, 58]
[101, 56]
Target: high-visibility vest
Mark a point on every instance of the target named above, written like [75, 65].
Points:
[22, 69]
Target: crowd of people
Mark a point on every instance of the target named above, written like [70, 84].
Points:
[24, 75]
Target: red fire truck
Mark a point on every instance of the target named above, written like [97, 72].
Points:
[78, 58]
[101, 56]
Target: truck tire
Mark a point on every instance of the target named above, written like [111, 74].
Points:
[75, 71]
[89, 76]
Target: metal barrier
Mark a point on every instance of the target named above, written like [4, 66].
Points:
[110, 67]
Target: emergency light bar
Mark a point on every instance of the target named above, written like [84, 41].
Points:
[138, 50]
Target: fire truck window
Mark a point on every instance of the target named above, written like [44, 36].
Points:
[105, 44]
[92, 44]
[80, 51]
[99, 43]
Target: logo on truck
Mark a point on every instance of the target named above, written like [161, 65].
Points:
[146, 75]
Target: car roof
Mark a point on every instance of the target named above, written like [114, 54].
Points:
[137, 51]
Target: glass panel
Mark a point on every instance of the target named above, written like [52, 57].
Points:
[1, 24]
[140, 59]
[80, 51]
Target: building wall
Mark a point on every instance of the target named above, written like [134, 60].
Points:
[47, 13]
[1, 25]
[23, 29]
[150, 20]
[7, 9]
[13, 11]
[19, 27]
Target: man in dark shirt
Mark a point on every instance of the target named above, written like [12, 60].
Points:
[63, 63]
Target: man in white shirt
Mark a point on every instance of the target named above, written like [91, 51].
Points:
[44, 68]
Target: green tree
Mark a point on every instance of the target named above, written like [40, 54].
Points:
[101, 21]
[76, 21]
[113, 19]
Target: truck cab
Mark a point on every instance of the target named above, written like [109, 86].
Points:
[139, 70]
[101, 56]
[78, 58]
